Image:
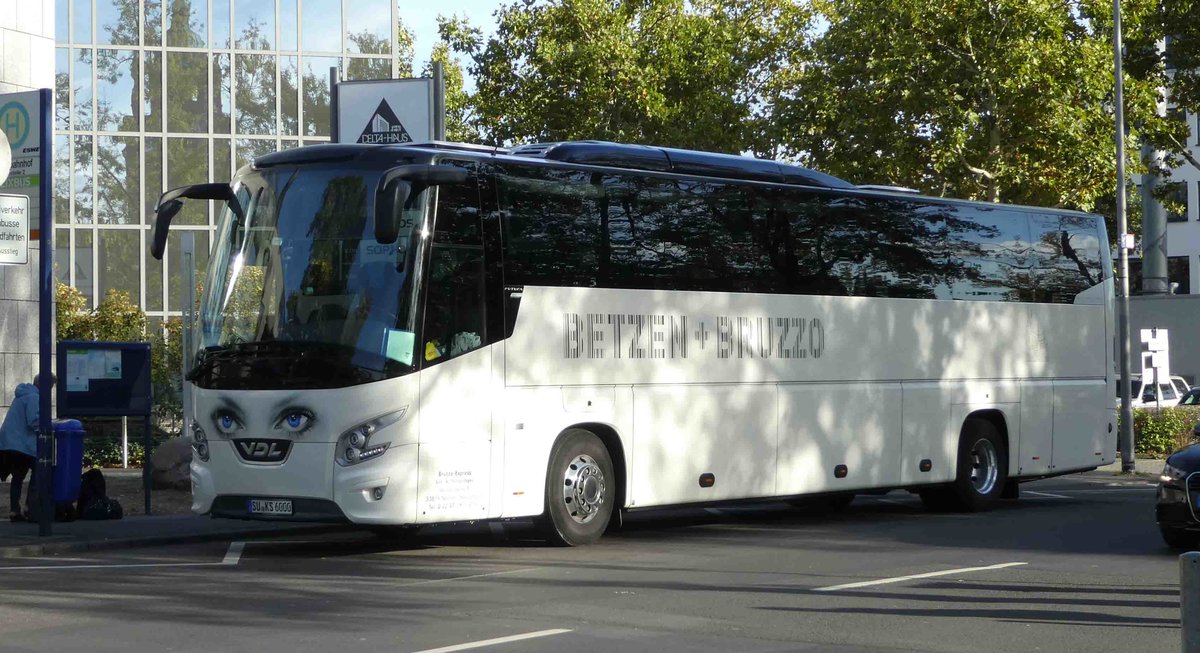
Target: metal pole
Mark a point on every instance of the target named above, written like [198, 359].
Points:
[45, 442]
[1126, 436]
[439, 101]
[334, 136]
[147, 465]
[125, 442]
[1189, 601]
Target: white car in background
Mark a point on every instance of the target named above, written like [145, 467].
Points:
[1145, 395]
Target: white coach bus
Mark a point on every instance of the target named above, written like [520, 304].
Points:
[407, 335]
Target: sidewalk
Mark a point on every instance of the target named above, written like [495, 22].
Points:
[1142, 466]
[21, 539]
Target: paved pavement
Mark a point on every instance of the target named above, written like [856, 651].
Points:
[1144, 466]
[1075, 565]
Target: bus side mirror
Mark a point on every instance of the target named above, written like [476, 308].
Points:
[389, 204]
[400, 186]
[162, 224]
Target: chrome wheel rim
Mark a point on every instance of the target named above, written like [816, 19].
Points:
[985, 466]
[583, 489]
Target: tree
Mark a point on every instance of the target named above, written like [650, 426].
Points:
[669, 72]
[1004, 100]
[459, 114]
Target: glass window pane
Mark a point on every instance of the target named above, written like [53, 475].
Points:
[368, 26]
[83, 88]
[220, 23]
[254, 25]
[117, 22]
[82, 177]
[187, 92]
[154, 180]
[118, 184]
[1179, 274]
[152, 89]
[322, 25]
[316, 93]
[222, 106]
[287, 144]
[289, 95]
[187, 23]
[61, 26]
[153, 31]
[1177, 194]
[154, 283]
[221, 156]
[83, 265]
[174, 252]
[81, 31]
[287, 24]
[255, 93]
[249, 149]
[187, 163]
[120, 262]
[62, 179]
[62, 88]
[368, 69]
[62, 256]
[117, 95]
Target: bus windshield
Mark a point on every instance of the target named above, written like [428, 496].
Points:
[301, 293]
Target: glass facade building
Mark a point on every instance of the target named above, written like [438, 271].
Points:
[153, 94]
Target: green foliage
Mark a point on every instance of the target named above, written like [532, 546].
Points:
[669, 72]
[106, 452]
[1159, 432]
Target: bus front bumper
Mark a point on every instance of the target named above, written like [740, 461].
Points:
[381, 491]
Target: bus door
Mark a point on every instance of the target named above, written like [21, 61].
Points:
[456, 366]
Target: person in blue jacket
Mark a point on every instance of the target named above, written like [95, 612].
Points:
[18, 443]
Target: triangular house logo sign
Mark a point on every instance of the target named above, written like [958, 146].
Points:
[384, 128]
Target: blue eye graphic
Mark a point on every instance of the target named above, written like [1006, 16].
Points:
[226, 422]
[296, 420]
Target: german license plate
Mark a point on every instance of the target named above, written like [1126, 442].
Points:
[270, 506]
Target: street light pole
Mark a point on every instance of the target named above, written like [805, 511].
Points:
[1126, 434]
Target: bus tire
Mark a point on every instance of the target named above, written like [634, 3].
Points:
[981, 473]
[580, 489]
[982, 467]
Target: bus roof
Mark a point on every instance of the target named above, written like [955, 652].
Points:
[629, 157]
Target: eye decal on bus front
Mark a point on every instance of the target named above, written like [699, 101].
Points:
[295, 420]
[226, 421]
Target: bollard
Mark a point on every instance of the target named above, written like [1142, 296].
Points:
[1189, 601]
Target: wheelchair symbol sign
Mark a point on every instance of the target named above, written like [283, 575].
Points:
[14, 120]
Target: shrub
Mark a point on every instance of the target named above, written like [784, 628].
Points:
[1159, 432]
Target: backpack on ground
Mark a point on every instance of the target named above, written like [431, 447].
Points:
[94, 502]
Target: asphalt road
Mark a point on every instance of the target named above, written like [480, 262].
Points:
[1078, 566]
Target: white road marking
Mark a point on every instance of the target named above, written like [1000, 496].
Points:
[448, 580]
[932, 574]
[498, 640]
[231, 559]
[234, 554]
[1047, 494]
[130, 566]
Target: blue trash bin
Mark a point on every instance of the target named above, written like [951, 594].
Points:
[68, 460]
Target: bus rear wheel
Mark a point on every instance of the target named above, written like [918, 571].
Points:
[981, 474]
[580, 489]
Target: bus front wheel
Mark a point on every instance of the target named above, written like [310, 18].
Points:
[981, 475]
[580, 489]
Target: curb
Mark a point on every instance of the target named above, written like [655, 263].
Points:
[74, 546]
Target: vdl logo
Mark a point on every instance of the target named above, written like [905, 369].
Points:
[14, 120]
[263, 451]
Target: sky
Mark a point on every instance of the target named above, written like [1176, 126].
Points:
[421, 18]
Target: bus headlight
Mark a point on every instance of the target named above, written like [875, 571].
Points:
[355, 445]
[199, 442]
